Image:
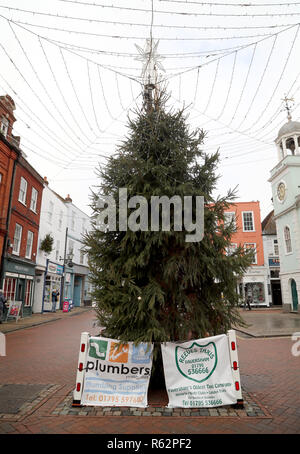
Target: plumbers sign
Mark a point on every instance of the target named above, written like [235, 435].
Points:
[198, 373]
[116, 374]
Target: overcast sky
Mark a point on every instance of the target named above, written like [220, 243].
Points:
[71, 68]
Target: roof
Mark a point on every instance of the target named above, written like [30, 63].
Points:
[268, 225]
[289, 128]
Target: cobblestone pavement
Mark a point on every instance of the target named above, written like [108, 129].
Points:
[47, 355]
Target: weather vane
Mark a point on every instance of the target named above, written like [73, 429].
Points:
[287, 107]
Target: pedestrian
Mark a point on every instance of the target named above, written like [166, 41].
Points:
[55, 294]
[3, 305]
[247, 302]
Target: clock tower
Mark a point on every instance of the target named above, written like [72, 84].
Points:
[285, 181]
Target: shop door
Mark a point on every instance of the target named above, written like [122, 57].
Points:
[20, 293]
[77, 291]
[276, 293]
[294, 295]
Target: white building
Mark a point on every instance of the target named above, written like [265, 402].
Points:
[49, 269]
[285, 181]
[271, 258]
[77, 287]
[65, 268]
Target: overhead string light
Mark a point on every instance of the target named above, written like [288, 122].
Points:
[180, 13]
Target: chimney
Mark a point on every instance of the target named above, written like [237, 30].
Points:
[68, 198]
[46, 181]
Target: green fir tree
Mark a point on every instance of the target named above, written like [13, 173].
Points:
[155, 286]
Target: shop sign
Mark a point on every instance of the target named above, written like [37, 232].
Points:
[274, 262]
[116, 374]
[19, 268]
[198, 373]
[56, 269]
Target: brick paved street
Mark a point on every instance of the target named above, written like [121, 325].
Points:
[47, 355]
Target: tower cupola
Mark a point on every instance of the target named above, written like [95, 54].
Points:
[288, 139]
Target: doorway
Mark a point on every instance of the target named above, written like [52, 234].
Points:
[294, 295]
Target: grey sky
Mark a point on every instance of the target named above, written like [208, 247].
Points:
[73, 75]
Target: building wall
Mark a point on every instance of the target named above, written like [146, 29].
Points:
[287, 213]
[255, 280]
[54, 222]
[21, 213]
[8, 155]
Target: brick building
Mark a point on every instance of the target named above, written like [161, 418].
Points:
[19, 255]
[246, 216]
[9, 153]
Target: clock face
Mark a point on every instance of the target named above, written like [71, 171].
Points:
[281, 191]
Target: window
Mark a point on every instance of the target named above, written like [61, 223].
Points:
[29, 244]
[71, 247]
[248, 222]
[81, 256]
[23, 191]
[4, 126]
[229, 217]
[73, 221]
[17, 239]
[252, 246]
[50, 211]
[276, 248]
[60, 219]
[287, 239]
[231, 249]
[10, 285]
[57, 250]
[33, 202]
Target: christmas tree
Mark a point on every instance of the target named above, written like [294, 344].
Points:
[154, 285]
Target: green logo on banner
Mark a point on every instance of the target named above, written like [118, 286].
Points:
[98, 348]
[196, 362]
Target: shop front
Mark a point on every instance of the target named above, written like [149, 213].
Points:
[255, 286]
[52, 283]
[18, 283]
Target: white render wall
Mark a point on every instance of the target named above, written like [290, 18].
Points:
[55, 225]
[78, 224]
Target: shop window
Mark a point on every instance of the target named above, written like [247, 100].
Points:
[17, 239]
[28, 291]
[255, 290]
[287, 239]
[10, 284]
[23, 191]
[248, 221]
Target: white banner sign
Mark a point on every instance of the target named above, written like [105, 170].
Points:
[116, 374]
[198, 373]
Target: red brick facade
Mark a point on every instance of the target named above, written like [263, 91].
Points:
[26, 212]
[8, 155]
